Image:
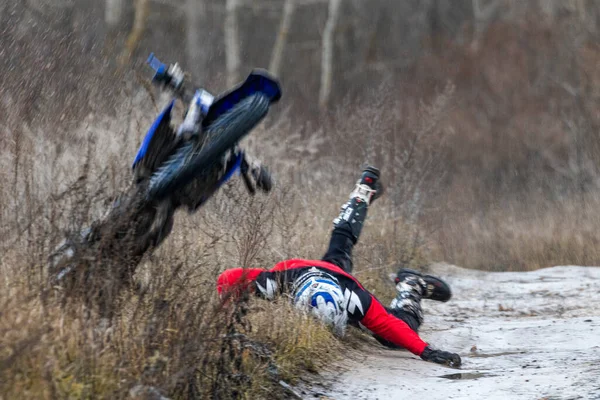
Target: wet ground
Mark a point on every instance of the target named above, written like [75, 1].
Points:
[525, 335]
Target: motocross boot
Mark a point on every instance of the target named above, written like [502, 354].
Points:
[368, 187]
[354, 212]
[433, 288]
[407, 304]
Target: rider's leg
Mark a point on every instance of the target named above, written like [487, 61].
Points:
[407, 305]
[348, 225]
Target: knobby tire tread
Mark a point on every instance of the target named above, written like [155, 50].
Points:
[222, 134]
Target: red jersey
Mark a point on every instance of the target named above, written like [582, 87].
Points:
[361, 306]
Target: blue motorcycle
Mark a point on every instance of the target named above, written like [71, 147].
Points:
[175, 167]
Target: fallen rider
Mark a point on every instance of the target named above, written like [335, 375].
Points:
[328, 290]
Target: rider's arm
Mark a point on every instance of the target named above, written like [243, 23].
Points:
[237, 280]
[391, 328]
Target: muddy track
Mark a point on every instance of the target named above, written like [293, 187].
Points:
[521, 335]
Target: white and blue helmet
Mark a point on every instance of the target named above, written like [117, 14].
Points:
[319, 293]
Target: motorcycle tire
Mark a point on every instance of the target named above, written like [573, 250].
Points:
[221, 135]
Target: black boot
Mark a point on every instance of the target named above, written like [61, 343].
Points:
[435, 288]
[354, 212]
[368, 186]
[407, 304]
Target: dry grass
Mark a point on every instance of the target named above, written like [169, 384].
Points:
[517, 236]
[169, 333]
[499, 172]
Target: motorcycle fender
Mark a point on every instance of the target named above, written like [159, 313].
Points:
[259, 81]
[163, 118]
[235, 166]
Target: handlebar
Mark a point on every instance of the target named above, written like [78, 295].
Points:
[156, 65]
[171, 76]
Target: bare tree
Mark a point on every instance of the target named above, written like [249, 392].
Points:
[483, 12]
[284, 28]
[195, 18]
[142, 9]
[327, 52]
[113, 12]
[232, 44]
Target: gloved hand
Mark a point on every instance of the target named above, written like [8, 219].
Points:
[441, 357]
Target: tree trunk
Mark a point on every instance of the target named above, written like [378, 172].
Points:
[284, 28]
[328, 46]
[139, 24]
[113, 12]
[195, 15]
[232, 44]
[482, 16]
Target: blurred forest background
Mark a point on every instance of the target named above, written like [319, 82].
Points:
[504, 172]
[483, 116]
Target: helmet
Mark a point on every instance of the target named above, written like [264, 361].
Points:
[320, 293]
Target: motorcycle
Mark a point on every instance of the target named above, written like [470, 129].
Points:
[173, 168]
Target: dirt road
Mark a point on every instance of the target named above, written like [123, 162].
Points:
[525, 335]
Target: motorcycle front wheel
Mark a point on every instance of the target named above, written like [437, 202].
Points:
[189, 161]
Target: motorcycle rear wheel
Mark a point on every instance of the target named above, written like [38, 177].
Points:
[221, 135]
